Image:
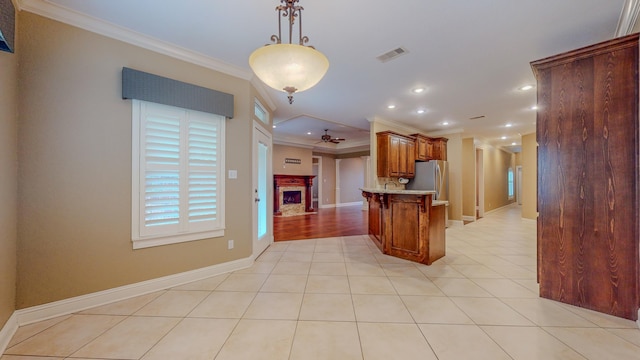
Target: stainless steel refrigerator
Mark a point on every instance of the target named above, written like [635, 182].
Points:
[431, 175]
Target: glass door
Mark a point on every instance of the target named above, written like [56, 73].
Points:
[262, 191]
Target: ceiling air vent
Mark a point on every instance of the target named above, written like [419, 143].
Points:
[477, 117]
[390, 55]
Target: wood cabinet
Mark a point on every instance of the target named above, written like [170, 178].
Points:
[396, 155]
[439, 148]
[587, 134]
[428, 148]
[424, 147]
[407, 225]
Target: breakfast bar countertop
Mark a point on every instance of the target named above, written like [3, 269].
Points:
[398, 191]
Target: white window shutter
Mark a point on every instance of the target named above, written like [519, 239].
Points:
[178, 167]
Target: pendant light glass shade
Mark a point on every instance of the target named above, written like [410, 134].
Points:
[289, 67]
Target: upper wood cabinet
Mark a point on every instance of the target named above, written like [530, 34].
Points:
[428, 148]
[424, 147]
[440, 148]
[396, 155]
[587, 134]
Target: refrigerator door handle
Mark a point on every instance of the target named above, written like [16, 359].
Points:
[438, 181]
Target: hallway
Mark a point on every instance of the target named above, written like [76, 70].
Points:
[340, 298]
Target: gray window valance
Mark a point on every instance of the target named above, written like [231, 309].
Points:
[153, 88]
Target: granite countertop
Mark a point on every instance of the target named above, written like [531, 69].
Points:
[398, 191]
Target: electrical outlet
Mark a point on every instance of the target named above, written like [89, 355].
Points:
[230, 245]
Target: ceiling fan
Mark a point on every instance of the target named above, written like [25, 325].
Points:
[328, 138]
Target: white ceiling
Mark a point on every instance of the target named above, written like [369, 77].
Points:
[471, 56]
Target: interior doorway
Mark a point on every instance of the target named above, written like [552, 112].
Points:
[479, 183]
[316, 189]
[519, 184]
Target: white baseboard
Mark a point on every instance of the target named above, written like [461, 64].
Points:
[359, 203]
[456, 223]
[327, 206]
[83, 302]
[468, 218]
[7, 331]
[638, 321]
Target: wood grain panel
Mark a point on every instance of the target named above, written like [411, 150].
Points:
[405, 229]
[587, 133]
[615, 288]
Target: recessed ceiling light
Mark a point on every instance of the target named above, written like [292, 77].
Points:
[420, 111]
[526, 87]
[508, 125]
[445, 123]
[534, 107]
[391, 107]
[514, 144]
[274, 126]
[309, 133]
[504, 138]
[418, 90]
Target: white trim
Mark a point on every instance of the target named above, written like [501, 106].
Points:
[327, 206]
[638, 321]
[499, 208]
[359, 203]
[260, 132]
[337, 190]
[8, 330]
[142, 243]
[99, 26]
[468, 218]
[260, 88]
[628, 17]
[318, 180]
[455, 223]
[83, 302]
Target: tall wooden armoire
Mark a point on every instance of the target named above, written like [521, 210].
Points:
[588, 171]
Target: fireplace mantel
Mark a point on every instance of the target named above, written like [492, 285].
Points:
[290, 181]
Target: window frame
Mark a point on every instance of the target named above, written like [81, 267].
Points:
[510, 184]
[260, 112]
[182, 232]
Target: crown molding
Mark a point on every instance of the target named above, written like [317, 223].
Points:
[628, 17]
[101, 27]
[403, 127]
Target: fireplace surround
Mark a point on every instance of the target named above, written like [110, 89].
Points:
[284, 187]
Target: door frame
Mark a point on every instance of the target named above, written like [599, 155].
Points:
[260, 133]
[318, 178]
[480, 182]
[519, 184]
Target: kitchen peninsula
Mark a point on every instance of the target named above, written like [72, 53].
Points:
[407, 224]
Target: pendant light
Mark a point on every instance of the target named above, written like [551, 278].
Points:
[289, 67]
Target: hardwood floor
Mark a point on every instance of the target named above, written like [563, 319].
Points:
[342, 221]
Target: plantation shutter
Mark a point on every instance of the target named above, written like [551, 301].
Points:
[180, 167]
[203, 151]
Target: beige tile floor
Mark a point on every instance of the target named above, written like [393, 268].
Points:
[339, 298]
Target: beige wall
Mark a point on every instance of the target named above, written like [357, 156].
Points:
[280, 152]
[496, 164]
[8, 181]
[328, 180]
[74, 216]
[468, 178]
[529, 176]
[454, 159]
[351, 179]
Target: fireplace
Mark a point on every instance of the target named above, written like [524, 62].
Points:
[292, 195]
